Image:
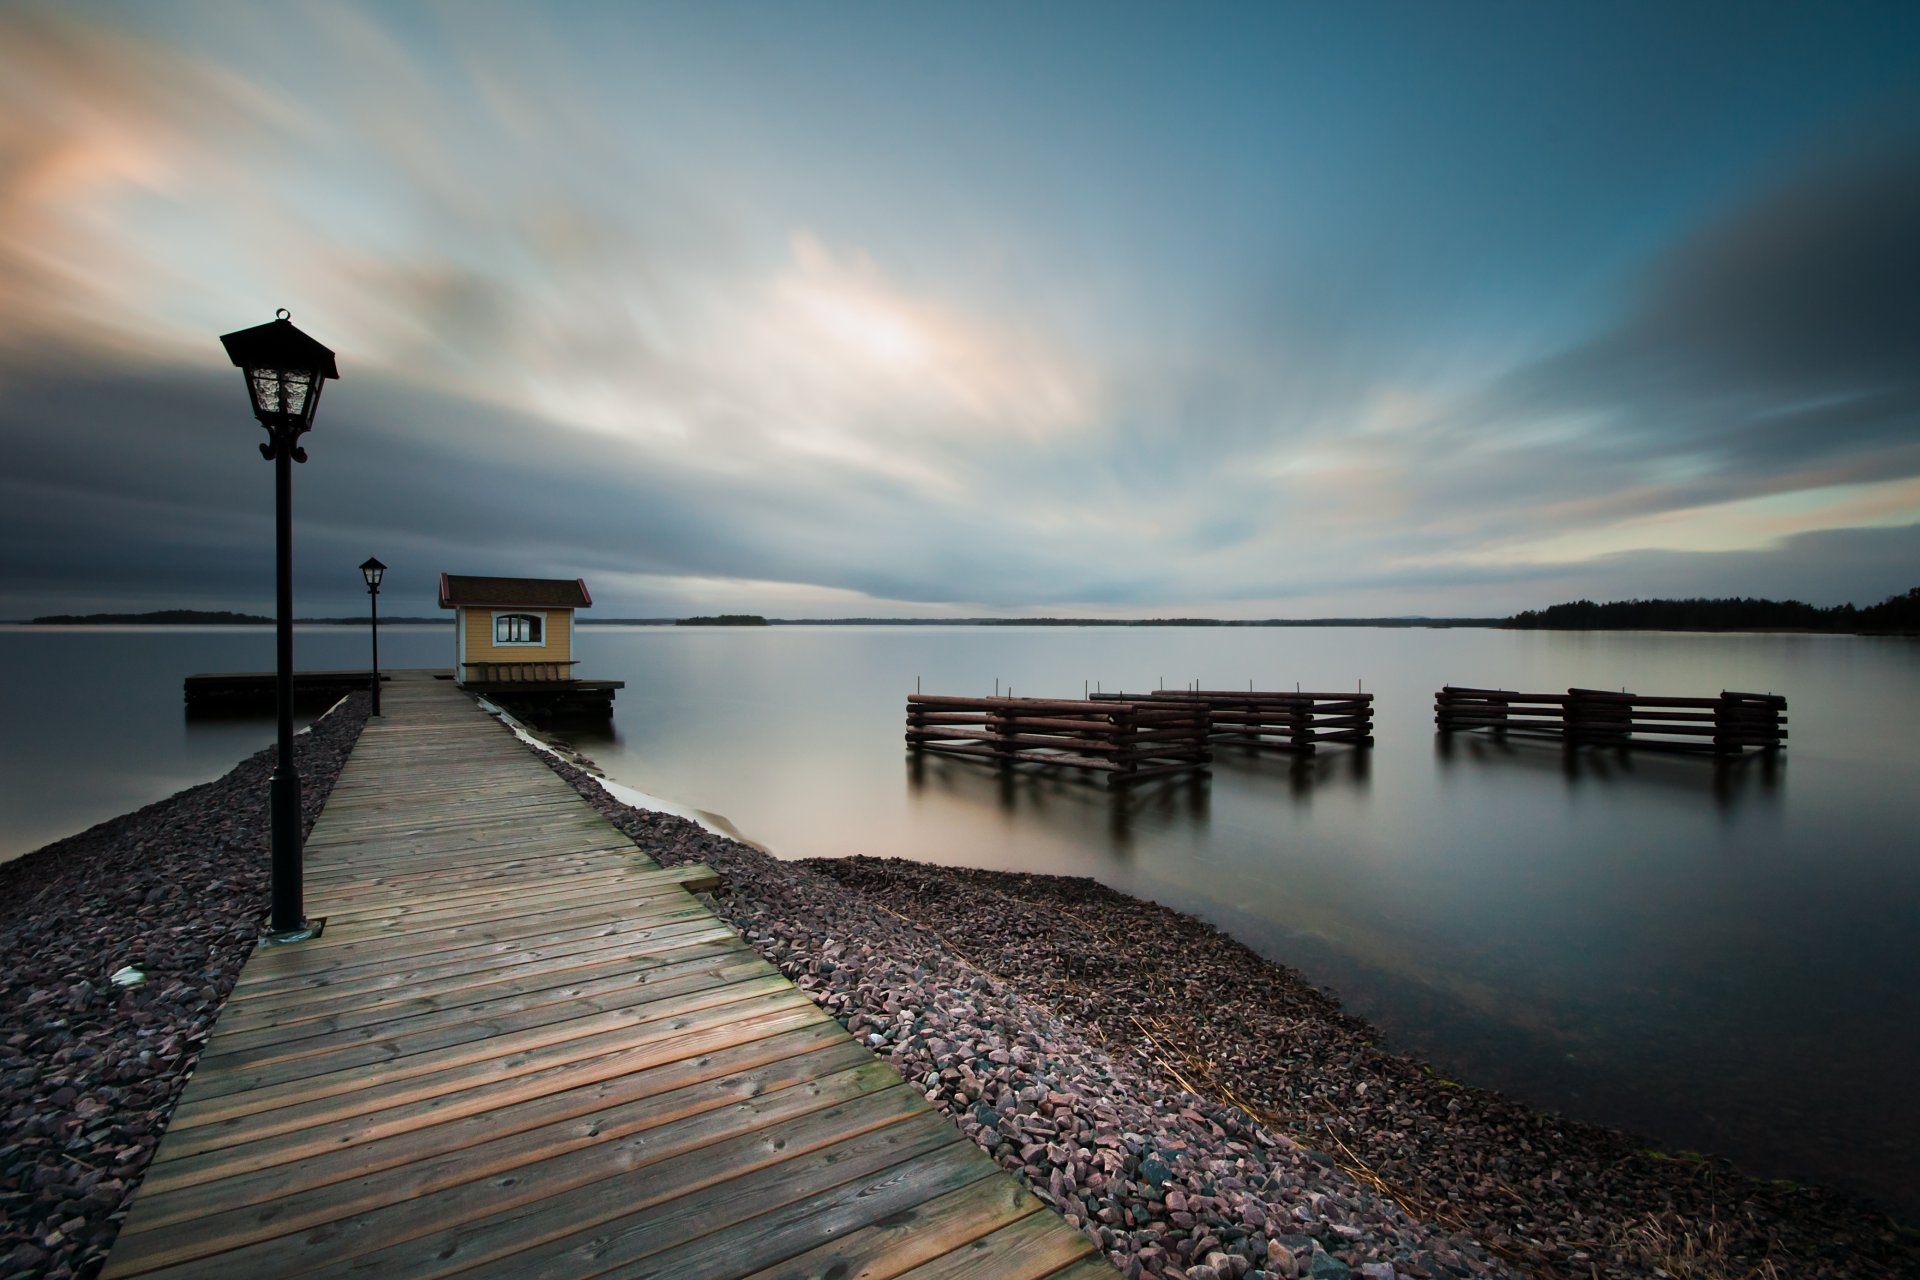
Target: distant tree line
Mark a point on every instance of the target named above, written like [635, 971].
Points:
[1742, 613]
[159, 617]
[724, 620]
[200, 618]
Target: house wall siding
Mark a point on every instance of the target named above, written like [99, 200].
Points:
[478, 624]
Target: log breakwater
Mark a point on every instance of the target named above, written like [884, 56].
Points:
[252, 692]
[1296, 722]
[1128, 742]
[1726, 725]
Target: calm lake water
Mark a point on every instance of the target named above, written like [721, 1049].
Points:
[1721, 956]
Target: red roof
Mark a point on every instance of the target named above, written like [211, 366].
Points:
[458, 590]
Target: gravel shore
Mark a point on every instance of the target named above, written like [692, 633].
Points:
[1205, 1114]
[89, 1071]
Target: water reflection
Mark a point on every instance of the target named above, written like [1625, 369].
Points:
[1063, 798]
[306, 709]
[1304, 775]
[584, 732]
[1731, 781]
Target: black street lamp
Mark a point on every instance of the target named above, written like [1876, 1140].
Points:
[373, 571]
[284, 369]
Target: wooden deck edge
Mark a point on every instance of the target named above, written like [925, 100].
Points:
[695, 877]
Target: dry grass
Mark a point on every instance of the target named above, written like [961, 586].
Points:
[1688, 1249]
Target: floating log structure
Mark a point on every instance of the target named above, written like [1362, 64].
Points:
[1296, 722]
[521, 687]
[1128, 741]
[242, 692]
[1725, 725]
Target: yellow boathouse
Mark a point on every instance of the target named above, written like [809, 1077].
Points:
[513, 631]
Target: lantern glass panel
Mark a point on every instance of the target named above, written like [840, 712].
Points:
[288, 392]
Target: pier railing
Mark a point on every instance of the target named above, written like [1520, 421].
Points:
[1727, 724]
[1128, 741]
[1274, 721]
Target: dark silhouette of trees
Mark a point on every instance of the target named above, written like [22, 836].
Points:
[1741, 613]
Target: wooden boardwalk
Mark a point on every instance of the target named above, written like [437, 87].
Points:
[522, 1048]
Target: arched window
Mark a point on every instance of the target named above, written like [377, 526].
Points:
[519, 628]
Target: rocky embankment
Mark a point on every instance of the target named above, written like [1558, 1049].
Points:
[1205, 1114]
[90, 1070]
[1554, 1196]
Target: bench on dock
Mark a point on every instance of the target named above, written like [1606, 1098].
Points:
[541, 689]
[535, 672]
[1296, 722]
[1127, 741]
[1726, 725]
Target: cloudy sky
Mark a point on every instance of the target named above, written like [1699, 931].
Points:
[818, 309]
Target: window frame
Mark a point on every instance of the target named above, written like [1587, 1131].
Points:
[538, 617]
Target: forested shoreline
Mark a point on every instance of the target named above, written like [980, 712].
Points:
[1897, 613]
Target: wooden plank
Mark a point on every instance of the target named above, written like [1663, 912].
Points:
[631, 884]
[637, 1048]
[358, 897]
[355, 882]
[739, 1235]
[1093, 1267]
[339, 976]
[1040, 705]
[495, 1005]
[387, 985]
[476, 1041]
[464, 985]
[506, 932]
[1025, 1249]
[446, 921]
[918, 1234]
[682, 1199]
[488, 1141]
[400, 1204]
[581, 1037]
[660, 1072]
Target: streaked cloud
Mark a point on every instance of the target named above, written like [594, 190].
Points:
[785, 340]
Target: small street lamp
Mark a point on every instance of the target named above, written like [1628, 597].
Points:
[373, 571]
[284, 369]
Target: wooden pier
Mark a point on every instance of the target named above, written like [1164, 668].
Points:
[521, 1048]
[540, 699]
[1128, 742]
[1726, 725]
[1296, 722]
[538, 689]
[242, 692]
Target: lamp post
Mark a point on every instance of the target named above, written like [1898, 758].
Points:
[373, 571]
[284, 369]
